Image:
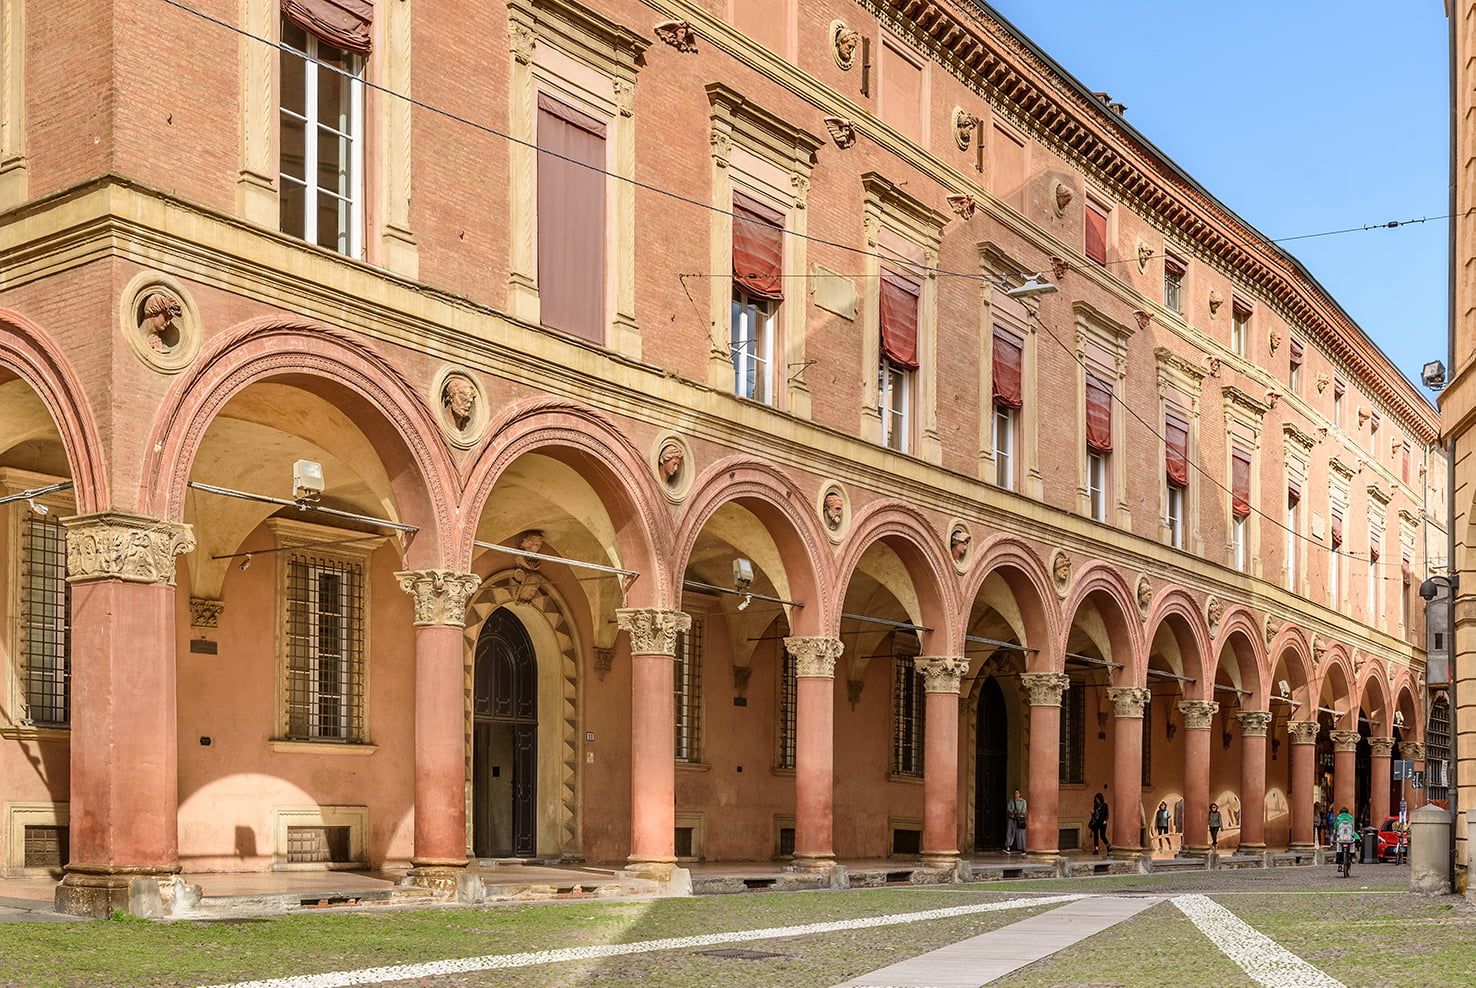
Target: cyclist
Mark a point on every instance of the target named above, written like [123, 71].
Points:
[1345, 833]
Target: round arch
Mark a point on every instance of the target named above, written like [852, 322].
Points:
[907, 532]
[1175, 604]
[1013, 561]
[1103, 581]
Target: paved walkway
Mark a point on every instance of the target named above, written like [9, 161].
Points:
[989, 956]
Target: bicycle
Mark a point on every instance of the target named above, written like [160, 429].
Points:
[1347, 865]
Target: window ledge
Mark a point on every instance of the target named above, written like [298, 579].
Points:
[782, 772]
[321, 748]
[22, 732]
[682, 766]
[915, 780]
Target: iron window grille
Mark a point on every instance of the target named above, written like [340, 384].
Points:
[1148, 744]
[46, 624]
[788, 702]
[907, 717]
[1437, 749]
[687, 684]
[1073, 733]
[325, 649]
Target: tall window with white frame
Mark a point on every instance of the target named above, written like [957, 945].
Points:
[1335, 562]
[1339, 389]
[1240, 317]
[1176, 462]
[898, 299]
[758, 290]
[1373, 433]
[1293, 535]
[1294, 367]
[1375, 605]
[1173, 283]
[1008, 357]
[1240, 508]
[321, 153]
[1098, 446]
[45, 624]
[325, 657]
[572, 222]
[687, 692]
[907, 717]
[1405, 579]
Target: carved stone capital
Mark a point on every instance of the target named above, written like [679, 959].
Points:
[1198, 714]
[1254, 723]
[1344, 740]
[205, 614]
[1412, 750]
[1381, 747]
[110, 545]
[740, 679]
[814, 657]
[1302, 731]
[604, 658]
[1129, 701]
[1044, 689]
[941, 673]
[440, 595]
[652, 631]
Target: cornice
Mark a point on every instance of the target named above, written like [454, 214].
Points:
[1296, 436]
[1238, 398]
[1169, 360]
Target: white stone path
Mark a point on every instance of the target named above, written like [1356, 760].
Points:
[969, 963]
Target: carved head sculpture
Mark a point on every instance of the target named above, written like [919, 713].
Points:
[670, 462]
[1061, 568]
[1145, 593]
[460, 397]
[835, 509]
[847, 39]
[1064, 195]
[1145, 254]
[1213, 611]
[963, 127]
[958, 544]
[159, 310]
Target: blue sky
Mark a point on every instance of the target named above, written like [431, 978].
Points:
[1302, 116]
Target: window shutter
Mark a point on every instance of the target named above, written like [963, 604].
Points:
[1240, 484]
[1096, 234]
[758, 250]
[1008, 357]
[571, 220]
[899, 304]
[1098, 415]
[345, 24]
[1176, 434]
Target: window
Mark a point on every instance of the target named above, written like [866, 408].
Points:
[687, 689]
[1294, 368]
[324, 639]
[1293, 498]
[758, 288]
[1176, 457]
[769, 22]
[1147, 744]
[1375, 606]
[1338, 390]
[1240, 316]
[907, 717]
[1405, 579]
[1098, 444]
[1096, 232]
[571, 220]
[1173, 283]
[1404, 451]
[321, 157]
[1335, 562]
[1373, 434]
[1240, 508]
[788, 703]
[45, 624]
[899, 311]
[903, 81]
[1073, 733]
[1437, 747]
[1008, 399]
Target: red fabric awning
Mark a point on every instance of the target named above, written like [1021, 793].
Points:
[1293, 491]
[1404, 570]
[758, 250]
[1339, 388]
[343, 23]
[1337, 529]
[1172, 265]
[1176, 434]
[1008, 356]
[899, 320]
[1240, 483]
[1096, 234]
[1098, 415]
[1373, 548]
[1240, 307]
[1296, 352]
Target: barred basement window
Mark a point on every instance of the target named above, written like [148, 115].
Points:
[687, 682]
[46, 846]
[907, 718]
[45, 624]
[788, 700]
[325, 649]
[1073, 732]
[307, 845]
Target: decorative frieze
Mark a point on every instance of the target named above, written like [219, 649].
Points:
[1198, 714]
[941, 673]
[652, 631]
[1381, 747]
[814, 657]
[440, 595]
[110, 545]
[1254, 723]
[1129, 701]
[1344, 740]
[1302, 731]
[1044, 689]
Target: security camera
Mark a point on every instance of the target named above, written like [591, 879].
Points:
[1285, 688]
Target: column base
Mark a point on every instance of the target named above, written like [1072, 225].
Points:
[1198, 852]
[1256, 849]
[436, 873]
[1301, 848]
[942, 860]
[812, 863]
[98, 891]
[655, 869]
[1043, 857]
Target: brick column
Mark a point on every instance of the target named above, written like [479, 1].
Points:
[1303, 736]
[1345, 767]
[1380, 780]
[124, 792]
[1126, 804]
[440, 714]
[1253, 727]
[1043, 692]
[814, 750]
[1199, 716]
[941, 675]
[652, 738]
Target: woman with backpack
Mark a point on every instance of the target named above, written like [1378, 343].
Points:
[1098, 824]
[1345, 833]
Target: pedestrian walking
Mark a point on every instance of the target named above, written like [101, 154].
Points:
[1015, 824]
[1098, 824]
[1319, 824]
[1215, 823]
[1161, 826]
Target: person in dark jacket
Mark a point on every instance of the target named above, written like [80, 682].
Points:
[1098, 824]
[1215, 823]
